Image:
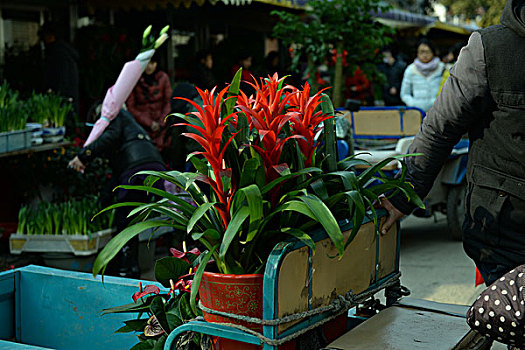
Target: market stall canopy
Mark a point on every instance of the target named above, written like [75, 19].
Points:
[401, 19]
[396, 18]
[153, 5]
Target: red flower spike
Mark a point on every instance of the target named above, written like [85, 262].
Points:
[305, 121]
[149, 289]
[210, 139]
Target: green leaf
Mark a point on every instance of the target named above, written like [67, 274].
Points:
[255, 205]
[117, 243]
[157, 308]
[198, 214]
[185, 308]
[280, 179]
[233, 228]
[319, 189]
[355, 201]
[170, 267]
[326, 219]
[174, 318]
[249, 170]
[133, 326]
[233, 91]
[198, 163]
[145, 345]
[299, 207]
[197, 279]
[139, 306]
[211, 235]
[302, 236]
[159, 344]
[329, 133]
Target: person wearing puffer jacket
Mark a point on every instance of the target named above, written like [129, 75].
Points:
[422, 78]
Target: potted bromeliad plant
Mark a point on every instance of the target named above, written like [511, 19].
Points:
[266, 172]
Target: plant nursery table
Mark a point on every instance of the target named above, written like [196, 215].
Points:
[39, 148]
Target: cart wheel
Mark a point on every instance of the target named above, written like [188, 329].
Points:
[456, 210]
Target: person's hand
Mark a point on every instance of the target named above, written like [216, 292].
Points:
[393, 90]
[393, 213]
[155, 126]
[77, 165]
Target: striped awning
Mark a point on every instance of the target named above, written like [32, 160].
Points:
[403, 19]
[159, 4]
[153, 5]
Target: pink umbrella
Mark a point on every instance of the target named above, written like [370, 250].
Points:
[118, 93]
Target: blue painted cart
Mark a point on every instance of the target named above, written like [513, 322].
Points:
[45, 308]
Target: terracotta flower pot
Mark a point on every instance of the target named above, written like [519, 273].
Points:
[237, 294]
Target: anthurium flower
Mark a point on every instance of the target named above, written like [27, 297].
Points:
[182, 255]
[184, 283]
[149, 289]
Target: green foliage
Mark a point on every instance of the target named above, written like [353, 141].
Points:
[13, 115]
[490, 10]
[49, 169]
[164, 310]
[328, 24]
[71, 218]
[49, 109]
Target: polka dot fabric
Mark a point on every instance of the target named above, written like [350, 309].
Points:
[499, 310]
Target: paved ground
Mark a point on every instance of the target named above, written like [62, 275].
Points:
[434, 267]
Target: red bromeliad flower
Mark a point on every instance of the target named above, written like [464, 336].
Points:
[149, 289]
[210, 137]
[266, 113]
[305, 121]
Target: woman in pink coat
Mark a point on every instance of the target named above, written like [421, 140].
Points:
[149, 103]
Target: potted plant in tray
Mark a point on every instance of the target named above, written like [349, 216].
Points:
[61, 228]
[50, 111]
[13, 118]
[265, 173]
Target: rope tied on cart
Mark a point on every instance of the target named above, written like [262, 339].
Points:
[338, 306]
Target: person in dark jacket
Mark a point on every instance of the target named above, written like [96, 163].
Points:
[484, 96]
[203, 76]
[129, 149]
[393, 69]
[60, 65]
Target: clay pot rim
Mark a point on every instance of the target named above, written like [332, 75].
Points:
[233, 276]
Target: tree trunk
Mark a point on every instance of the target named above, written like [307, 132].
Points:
[312, 79]
[337, 96]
